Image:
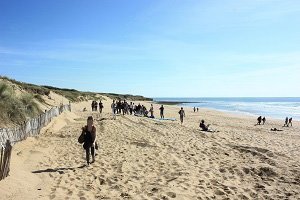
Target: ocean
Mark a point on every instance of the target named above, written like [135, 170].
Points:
[270, 107]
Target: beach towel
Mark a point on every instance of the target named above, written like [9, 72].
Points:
[165, 119]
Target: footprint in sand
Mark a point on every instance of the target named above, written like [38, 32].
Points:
[219, 192]
[171, 194]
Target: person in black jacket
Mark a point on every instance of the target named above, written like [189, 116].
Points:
[89, 132]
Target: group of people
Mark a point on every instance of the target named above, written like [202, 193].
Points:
[125, 108]
[260, 120]
[288, 121]
[95, 106]
[196, 109]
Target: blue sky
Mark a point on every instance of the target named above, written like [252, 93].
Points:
[166, 48]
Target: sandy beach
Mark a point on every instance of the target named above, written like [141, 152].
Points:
[141, 158]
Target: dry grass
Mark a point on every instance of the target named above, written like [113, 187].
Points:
[16, 109]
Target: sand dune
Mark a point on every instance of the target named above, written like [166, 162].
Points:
[141, 158]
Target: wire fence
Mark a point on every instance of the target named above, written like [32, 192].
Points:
[10, 136]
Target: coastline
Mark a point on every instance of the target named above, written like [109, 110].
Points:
[236, 112]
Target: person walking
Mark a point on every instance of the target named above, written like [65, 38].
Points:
[96, 105]
[89, 135]
[100, 106]
[286, 123]
[181, 115]
[290, 121]
[259, 120]
[113, 109]
[264, 120]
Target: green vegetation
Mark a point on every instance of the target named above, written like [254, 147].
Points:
[30, 88]
[127, 96]
[71, 94]
[16, 109]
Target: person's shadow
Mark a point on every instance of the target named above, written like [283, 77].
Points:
[59, 170]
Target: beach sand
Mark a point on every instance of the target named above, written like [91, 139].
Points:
[141, 158]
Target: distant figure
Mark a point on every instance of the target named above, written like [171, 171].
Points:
[89, 132]
[197, 109]
[162, 112]
[130, 108]
[100, 106]
[203, 126]
[93, 104]
[263, 120]
[290, 121]
[275, 129]
[113, 109]
[151, 110]
[119, 107]
[181, 114]
[286, 123]
[259, 120]
[96, 105]
[194, 109]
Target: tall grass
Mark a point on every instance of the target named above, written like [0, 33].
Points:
[15, 109]
[71, 94]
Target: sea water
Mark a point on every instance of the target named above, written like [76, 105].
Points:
[272, 107]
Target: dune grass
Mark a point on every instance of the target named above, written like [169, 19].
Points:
[71, 94]
[16, 109]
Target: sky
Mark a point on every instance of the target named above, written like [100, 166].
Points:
[155, 48]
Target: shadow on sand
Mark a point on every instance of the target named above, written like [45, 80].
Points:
[59, 170]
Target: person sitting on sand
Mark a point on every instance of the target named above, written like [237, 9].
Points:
[89, 132]
[194, 109]
[259, 120]
[203, 126]
[263, 120]
[290, 121]
[181, 114]
[275, 129]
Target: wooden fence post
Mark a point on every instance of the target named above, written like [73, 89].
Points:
[1, 162]
[5, 160]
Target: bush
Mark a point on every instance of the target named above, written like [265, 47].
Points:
[29, 106]
[39, 98]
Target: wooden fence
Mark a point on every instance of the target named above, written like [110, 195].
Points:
[10, 136]
[5, 160]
